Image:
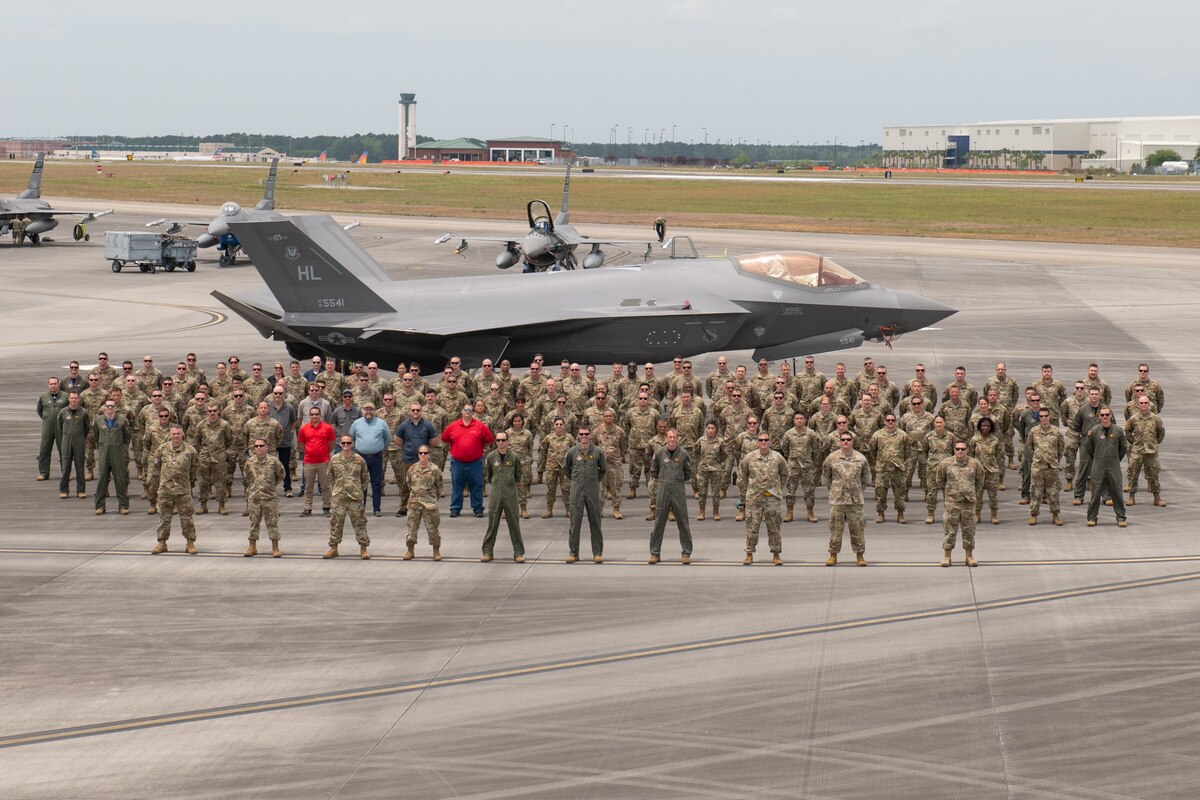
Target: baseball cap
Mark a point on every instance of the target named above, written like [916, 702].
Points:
[347, 393]
[368, 405]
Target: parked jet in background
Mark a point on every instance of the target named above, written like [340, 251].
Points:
[326, 295]
[550, 244]
[37, 213]
[363, 158]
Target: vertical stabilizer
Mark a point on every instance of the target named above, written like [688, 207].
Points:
[34, 190]
[564, 217]
[268, 199]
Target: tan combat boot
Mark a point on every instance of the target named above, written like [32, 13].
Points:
[1032, 519]
[331, 552]
[161, 547]
[203, 509]
[790, 508]
[653, 559]
[777, 559]
[547, 514]
[617, 513]
[221, 510]
[1055, 519]
[1131, 501]
[190, 549]
[437, 552]
[410, 553]
[900, 517]
[1158, 501]
[860, 559]
[748, 560]
[971, 562]
[995, 518]
[152, 510]
[700, 516]
[832, 560]
[879, 519]
[650, 515]
[929, 519]
[945, 558]
[486, 557]
[741, 516]
[632, 494]
[363, 553]
[275, 551]
[252, 550]
[812, 517]
[524, 511]
[716, 510]
[572, 558]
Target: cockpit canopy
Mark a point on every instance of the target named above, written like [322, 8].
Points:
[799, 267]
[230, 210]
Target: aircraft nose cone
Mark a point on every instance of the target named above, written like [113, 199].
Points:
[915, 311]
[534, 246]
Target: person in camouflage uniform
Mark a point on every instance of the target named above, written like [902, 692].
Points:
[671, 469]
[960, 478]
[1153, 388]
[1070, 408]
[393, 455]
[438, 418]
[175, 464]
[641, 421]
[1007, 394]
[1094, 381]
[846, 472]
[957, 412]
[611, 440]
[937, 446]
[916, 423]
[111, 433]
[92, 399]
[659, 439]
[156, 435]
[237, 413]
[890, 448]
[262, 426]
[708, 456]
[740, 446]
[1086, 418]
[424, 488]
[865, 419]
[1045, 445]
[503, 470]
[807, 384]
[148, 377]
[264, 471]
[1144, 432]
[777, 419]
[804, 451]
[763, 474]
[687, 419]
[213, 439]
[350, 478]
[986, 448]
[1051, 391]
[554, 447]
[520, 444]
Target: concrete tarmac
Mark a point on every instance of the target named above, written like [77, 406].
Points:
[1066, 666]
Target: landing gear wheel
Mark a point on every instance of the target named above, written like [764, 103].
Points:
[77, 232]
[35, 239]
[87, 237]
[116, 265]
[190, 266]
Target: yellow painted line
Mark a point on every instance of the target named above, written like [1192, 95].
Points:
[283, 704]
[584, 562]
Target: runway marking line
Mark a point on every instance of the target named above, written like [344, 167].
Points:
[305, 701]
[666, 563]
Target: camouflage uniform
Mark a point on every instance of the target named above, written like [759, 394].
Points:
[213, 442]
[709, 458]
[1153, 389]
[424, 486]
[612, 442]
[349, 477]
[807, 385]
[957, 416]
[863, 425]
[935, 448]
[776, 421]
[641, 425]
[237, 416]
[890, 449]
[148, 378]
[652, 445]
[1046, 445]
[256, 389]
[553, 449]
[437, 448]
[263, 474]
[1007, 394]
[763, 477]
[532, 388]
[966, 393]
[520, 445]
[1144, 433]
[176, 469]
[155, 437]
[804, 452]
[846, 475]
[916, 426]
[1071, 437]
[962, 482]
[92, 401]
[1053, 394]
[989, 453]
[267, 428]
[393, 456]
[451, 400]
[689, 423]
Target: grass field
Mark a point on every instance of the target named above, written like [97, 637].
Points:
[1073, 214]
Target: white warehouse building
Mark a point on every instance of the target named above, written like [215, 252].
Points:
[1052, 144]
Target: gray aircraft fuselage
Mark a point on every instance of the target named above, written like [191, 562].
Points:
[651, 312]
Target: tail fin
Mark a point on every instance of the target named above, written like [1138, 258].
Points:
[324, 155]
[363, 158]
[34, 190]
[564, 217]
[217, 153]
[302, 275]
[268, 199]
[95, 154]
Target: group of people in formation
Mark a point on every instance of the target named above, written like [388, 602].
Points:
[773, 437]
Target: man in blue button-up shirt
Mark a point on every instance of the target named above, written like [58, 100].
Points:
[371, 436]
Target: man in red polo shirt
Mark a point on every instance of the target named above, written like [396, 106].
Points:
[316, 437]
[467, 437]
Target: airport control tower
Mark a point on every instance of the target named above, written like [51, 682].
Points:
[408, 125]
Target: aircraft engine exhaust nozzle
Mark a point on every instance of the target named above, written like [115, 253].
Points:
[40, 226]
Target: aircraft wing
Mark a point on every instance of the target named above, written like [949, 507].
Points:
[501, 239]
[85, 216]
[175, 222]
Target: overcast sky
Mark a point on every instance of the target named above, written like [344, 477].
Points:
[761, 71]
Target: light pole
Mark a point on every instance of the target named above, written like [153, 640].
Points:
[672, 138]
[835, 146]
[705, 144]
[552, 131]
